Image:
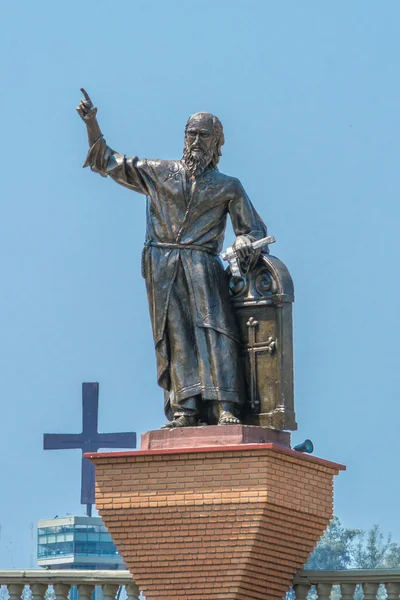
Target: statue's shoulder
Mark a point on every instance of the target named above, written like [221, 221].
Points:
[232, 182]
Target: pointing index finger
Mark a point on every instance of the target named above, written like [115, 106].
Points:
[87, 97]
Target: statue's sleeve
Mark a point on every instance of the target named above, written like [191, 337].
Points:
[244, 217]
[129, 172]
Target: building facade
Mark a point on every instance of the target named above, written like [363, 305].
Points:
[76, 543]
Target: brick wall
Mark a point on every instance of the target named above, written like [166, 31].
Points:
[233, 522]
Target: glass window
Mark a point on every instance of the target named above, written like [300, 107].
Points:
[81, 528]
[80, 548]
[53, 550]
[64, 548]
[91, 529]
[95, 549]
[107, 548]
[49, 529]
[42, 551]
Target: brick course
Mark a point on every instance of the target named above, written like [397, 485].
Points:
[227, 523]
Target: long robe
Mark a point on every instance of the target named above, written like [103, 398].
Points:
[194, 328]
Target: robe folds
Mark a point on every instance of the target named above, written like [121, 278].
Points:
[194, 328]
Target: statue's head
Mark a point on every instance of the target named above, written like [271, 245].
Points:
[204, 137]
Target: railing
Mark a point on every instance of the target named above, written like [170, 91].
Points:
[57, 584]
[38, 584]
[348, 585]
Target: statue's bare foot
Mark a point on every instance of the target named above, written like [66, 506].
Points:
[182, 421]
[227, 418]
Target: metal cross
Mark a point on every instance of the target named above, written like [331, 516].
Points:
[254, 348]
[90, 440]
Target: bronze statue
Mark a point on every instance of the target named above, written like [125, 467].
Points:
[196, 334]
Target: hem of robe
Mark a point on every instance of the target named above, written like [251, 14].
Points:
[208, 394]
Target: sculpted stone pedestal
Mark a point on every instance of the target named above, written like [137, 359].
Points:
[234, 521]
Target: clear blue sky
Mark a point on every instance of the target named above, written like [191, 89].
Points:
[309, 96]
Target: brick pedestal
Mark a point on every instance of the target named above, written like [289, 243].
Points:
[232, 522]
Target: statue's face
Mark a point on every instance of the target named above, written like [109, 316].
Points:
[200, 136]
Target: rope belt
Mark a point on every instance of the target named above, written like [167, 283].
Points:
[172, 246]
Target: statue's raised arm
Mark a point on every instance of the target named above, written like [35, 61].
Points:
[88, 113]
[104, 160]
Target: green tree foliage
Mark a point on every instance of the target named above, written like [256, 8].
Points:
[374, 551]
[342, 548]
[335, 549]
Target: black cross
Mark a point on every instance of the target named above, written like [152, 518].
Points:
[90, 440]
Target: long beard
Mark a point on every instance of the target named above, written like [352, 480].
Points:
[197, 163]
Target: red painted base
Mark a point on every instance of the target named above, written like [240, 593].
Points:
[212, 435]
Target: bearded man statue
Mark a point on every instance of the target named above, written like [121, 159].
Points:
[196, 338]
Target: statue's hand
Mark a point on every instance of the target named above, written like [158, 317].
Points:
[243, 247]
[86, 110]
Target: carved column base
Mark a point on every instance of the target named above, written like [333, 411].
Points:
[233, 522]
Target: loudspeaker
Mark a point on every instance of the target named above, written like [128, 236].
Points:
[306, 446]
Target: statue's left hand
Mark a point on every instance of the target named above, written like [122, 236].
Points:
[243, 246]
